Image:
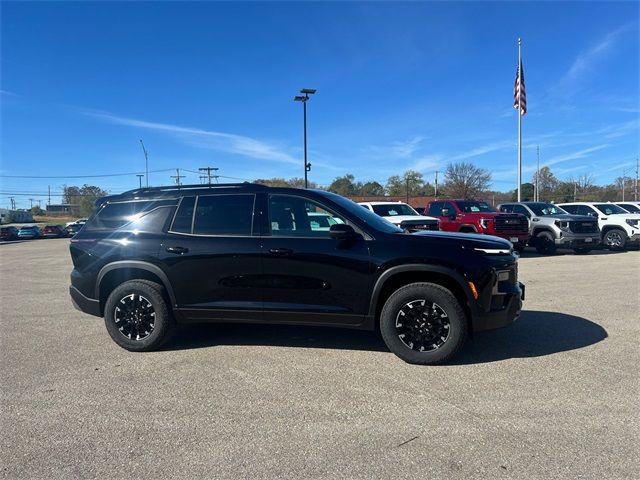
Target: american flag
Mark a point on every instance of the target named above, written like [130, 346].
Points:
[519, 93]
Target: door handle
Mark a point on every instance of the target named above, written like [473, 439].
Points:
[177, 250]
[280, 251]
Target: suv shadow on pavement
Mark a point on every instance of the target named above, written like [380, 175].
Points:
[534, 334]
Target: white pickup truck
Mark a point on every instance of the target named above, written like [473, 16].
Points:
[403, 216]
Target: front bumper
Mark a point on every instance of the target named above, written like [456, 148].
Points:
[573, 241]
[504, 309]
[635, 238]
[84, 304]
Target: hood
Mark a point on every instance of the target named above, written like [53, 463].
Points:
[398, 219]
[472, 240]
[625, 216]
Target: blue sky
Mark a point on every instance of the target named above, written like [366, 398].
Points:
[400, 85]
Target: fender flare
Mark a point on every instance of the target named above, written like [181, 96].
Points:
[417, 267]
[139, 265]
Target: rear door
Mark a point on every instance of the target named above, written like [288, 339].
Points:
[211, 255]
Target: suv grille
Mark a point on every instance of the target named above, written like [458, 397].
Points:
[504, 223]
[583, 227]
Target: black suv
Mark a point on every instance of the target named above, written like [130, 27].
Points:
[152, 258]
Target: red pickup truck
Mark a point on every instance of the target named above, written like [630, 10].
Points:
[476, 216]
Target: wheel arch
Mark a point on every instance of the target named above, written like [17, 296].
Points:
[396, 277]
[115, 273]
[468, 228]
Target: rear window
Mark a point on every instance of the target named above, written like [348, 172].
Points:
[116, 215]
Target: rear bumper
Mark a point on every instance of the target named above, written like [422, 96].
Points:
[505, 309]
[84, 304]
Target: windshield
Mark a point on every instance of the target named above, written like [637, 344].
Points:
[474, 207]
[630, 207]
[364, 214]
[544, 209]
[393, 210]
[609, 208]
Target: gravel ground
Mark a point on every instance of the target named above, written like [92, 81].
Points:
[553, 396]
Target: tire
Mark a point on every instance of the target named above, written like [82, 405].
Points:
[582, 250]
[545, 243]
[136, 298]
[438, 301]
[519, 248]
[615, 239]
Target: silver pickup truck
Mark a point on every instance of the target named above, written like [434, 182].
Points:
[551, 227]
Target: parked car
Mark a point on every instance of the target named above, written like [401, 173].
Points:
[28, 232]
[552, 228]
[53, 231]
[8, 233]
[618, 227]
[631, 207]
[80, 221]
[72, 229]
[250, 253]
[402, 215]
[477, 216]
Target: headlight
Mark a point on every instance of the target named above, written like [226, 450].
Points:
[562, 225]
[633, 223]
[484, 222]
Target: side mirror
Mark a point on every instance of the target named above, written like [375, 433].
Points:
[342, 231]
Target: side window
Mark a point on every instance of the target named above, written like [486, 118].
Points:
[151, 222]
[570, 208]
[223, 215]
[589, 211]
[506, 208]
[184, 216]
[115, 215]
[295, 216]
[449, 206]
[521, 209]
[435, 209]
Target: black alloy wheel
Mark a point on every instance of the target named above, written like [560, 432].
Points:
[422, 326]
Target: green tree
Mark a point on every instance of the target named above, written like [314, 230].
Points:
[371, 188]
[344, 185]
[411, 182]
[82, 198]
[548, 183]
[526, 190]
[465, 180]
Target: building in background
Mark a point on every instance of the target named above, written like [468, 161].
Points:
[63, 209]
[15, 216]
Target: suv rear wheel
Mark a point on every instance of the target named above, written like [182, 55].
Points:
[423, 323]
[137, 316]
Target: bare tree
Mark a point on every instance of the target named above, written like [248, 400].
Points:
[465, 180]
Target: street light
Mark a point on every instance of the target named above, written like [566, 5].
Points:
[304, 98]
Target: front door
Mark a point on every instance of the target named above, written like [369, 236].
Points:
[211, 255]
[310, 277]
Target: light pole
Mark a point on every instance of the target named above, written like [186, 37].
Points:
[139, 175]
[304, 99]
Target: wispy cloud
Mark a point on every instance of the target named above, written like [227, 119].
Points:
[222, 141]
[585, 152]
[9, 94]
[428, 162]
[586, 60]
[482, 150]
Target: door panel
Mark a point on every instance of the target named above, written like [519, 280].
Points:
[212, 257]
[310, 277]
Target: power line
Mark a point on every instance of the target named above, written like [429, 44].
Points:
[86, 176]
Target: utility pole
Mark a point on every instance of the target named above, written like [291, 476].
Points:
[146, 162]
[139, 175]
[624, 180]
[635, 187]
[31, 201]
[177, 176]
[39, 204]
[208, 176]
[407, 190]
[436, 188]
[575, 190]
[537, 195]
[13, 203]
[49, 202]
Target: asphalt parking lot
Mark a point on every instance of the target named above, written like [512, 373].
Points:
[553, 396]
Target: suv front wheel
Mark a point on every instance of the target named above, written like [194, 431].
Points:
[137, 316]
[423, 323]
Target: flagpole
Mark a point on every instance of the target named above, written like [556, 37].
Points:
[519, 119]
